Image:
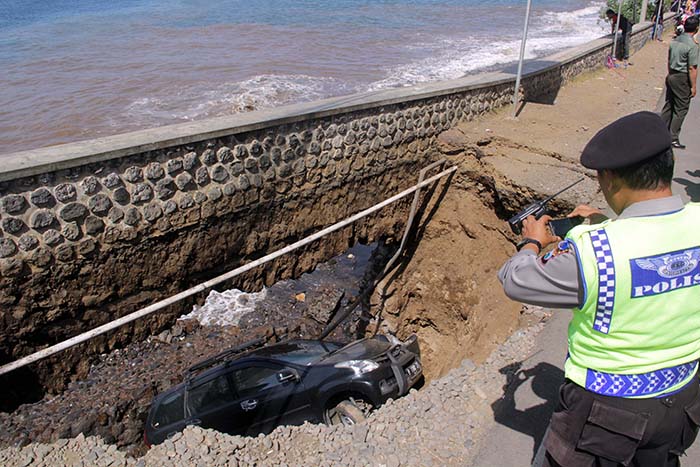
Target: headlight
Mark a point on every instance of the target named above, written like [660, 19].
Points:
[358, 366]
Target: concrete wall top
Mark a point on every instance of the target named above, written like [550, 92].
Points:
[65, 156]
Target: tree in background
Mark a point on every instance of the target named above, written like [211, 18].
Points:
[631, 9]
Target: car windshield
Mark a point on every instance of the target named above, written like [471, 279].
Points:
[298, 352]
[358, 350]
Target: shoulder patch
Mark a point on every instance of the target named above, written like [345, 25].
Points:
[563, 247]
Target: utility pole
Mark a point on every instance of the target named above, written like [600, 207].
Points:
[617, 30]
[516, 93]
[643, 13]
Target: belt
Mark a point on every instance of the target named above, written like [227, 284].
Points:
[649, 384]
[671, 71]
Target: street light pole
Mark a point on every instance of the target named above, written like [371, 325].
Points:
[516, 93]
[617, 30]
[656, 21]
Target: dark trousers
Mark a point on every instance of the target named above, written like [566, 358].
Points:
[626, 36]
[623, 45]
[677, 101]
[590, 430]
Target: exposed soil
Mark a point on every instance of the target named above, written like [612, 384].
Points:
[448, 292]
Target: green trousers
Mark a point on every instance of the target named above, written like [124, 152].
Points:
[677, 101]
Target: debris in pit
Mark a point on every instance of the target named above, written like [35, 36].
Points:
[325, 306]
[120, 385]
[225, 308]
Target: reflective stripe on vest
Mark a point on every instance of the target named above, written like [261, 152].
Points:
[648, 384]
[606, 281]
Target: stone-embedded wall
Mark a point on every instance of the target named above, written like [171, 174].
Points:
[58, 217]
[89, 237]
[84, 245]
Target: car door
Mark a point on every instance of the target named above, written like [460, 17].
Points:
[214, 404]
[271, 394]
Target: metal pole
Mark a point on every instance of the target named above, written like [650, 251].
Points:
[656, 22]
[516, 93]
[617, 30]
[212, 282]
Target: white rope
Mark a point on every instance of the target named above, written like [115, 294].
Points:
[212, 282]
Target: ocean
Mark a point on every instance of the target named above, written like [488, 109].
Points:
[77, 69]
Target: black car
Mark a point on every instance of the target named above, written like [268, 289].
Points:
[246, 392]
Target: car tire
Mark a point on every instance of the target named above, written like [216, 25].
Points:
[345, 413]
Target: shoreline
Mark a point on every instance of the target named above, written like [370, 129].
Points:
[65, 156]
[248, 62]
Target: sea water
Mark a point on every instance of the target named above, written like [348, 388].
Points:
[72, 70]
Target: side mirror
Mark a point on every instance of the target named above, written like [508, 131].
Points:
[288, 375]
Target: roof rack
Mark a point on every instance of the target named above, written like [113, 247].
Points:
[211, 361]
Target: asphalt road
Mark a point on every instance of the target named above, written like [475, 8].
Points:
[523, 414]
[687, 173]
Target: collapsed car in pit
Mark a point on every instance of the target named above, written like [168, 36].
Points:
[254, 388]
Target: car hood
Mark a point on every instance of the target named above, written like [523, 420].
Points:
[359, 350]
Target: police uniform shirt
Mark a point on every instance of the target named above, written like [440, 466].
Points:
[552, 280]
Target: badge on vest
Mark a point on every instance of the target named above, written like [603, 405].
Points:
[563, 247]
[655, 275]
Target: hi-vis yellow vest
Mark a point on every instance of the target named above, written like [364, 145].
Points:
[637, 334]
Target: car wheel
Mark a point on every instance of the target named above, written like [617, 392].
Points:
[345, 413]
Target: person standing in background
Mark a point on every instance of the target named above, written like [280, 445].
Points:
[658, 20]
[626, 28]
[681, 80]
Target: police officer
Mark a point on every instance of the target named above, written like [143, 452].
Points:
[681, 80]
[631, 392]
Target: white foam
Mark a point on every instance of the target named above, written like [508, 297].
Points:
[580, 25]
[453, 58]
[211, 100]
[225, 308]
[446, 58]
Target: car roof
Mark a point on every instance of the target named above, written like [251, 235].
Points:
[302, 352]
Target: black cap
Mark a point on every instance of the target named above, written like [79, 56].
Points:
[627, 141]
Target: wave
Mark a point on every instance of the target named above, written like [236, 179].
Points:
[445, 58]
[454, 58]
[197, 101]
[577, 23]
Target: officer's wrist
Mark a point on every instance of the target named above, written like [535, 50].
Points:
[529, 244]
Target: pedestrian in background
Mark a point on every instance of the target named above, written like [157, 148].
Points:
[631, 394]
[626, 28]
[681, 80]
[658, 20]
